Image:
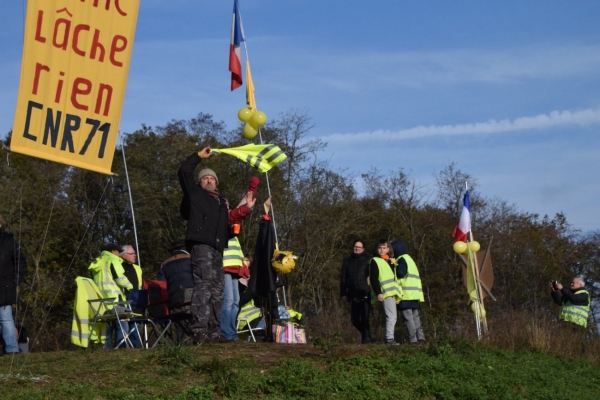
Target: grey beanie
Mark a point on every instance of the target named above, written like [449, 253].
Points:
[208, 171]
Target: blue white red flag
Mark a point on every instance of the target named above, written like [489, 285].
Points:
[237, 37]
[464, 224]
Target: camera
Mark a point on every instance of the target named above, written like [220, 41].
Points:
[554, 284]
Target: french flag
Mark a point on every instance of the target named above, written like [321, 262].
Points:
[464, 224]
[237, 37]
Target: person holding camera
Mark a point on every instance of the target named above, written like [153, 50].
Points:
[575, 301]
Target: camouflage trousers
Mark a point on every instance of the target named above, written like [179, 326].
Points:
[207, 268]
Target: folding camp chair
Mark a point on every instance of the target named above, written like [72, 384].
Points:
[106, 310]
[139, 303]
[158, 309]
[246, 318]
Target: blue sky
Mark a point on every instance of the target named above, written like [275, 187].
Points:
[510, 90]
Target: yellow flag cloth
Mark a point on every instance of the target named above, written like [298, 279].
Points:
[250, 100]
[261, 156]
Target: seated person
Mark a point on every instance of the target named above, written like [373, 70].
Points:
[177, 272]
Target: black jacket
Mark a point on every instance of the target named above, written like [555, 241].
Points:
[177, 272]
[353, 278]
[206, 215]
[13, 267]
[560, 297]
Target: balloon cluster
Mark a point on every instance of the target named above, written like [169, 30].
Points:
[462, 247]
[253, 120]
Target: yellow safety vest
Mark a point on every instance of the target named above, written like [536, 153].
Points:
[387, 281]
[232, 255]
[103, 278]
[411, 283]
[294, 314]
[249, 312]
[576, 314]
[138, 272]
[80, 328]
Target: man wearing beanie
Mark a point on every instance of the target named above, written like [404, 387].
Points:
[206, 237]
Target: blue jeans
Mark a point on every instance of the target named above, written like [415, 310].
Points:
[112, 327]
[230, 307]
[9, 333]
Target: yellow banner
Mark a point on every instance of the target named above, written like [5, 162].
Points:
[75, 63]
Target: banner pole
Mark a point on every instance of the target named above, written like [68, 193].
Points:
[137, 248]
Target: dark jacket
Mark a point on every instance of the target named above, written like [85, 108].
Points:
[206, 214]
[177, 272]
[353, 278]
[560, 297]
[13, 268]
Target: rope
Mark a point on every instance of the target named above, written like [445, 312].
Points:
[12, 359]
[65, 274]
[39, 258]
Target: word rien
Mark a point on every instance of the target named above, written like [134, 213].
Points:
[80, 87]
[71, 126]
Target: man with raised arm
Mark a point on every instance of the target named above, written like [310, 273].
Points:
[209, 217]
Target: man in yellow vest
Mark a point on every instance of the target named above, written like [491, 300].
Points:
[133, 272]
[412, 292]
[382, 275]
[107, 272]
[575, 301]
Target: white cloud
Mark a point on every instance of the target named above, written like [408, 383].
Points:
[543, 121]
[364, 69]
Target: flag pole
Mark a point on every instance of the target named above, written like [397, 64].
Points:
[473, 262]
[261, 139]
[479, 302]
[479, 317]
[271, 208]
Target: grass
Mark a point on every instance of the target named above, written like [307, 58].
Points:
[459, 370]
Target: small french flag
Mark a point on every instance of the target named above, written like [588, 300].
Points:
[237, 37]
[464, 224]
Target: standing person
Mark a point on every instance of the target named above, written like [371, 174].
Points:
[575, 301]
[233, 267]
[354, 287]
[412, 292]
[206, 237]
[13, 268]
[108, 274]
[133, 272]
[385, 287]
[233, 262]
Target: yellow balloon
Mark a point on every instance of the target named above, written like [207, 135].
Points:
[460, 247]
[474, 246]
[245, 114]
[249, 131]
[259, 118]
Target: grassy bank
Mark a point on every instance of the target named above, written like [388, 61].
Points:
[463, 370]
